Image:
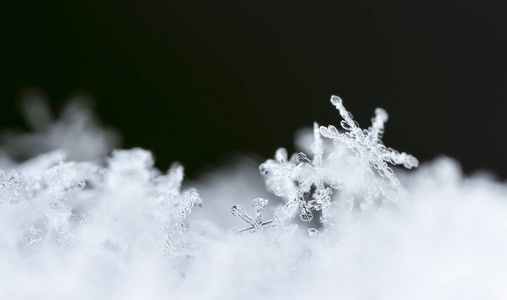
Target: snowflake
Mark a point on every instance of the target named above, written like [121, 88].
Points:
[369, 150]
[366, 143]
[356, 154]
[255, 224]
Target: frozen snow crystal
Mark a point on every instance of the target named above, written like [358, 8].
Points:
[308, 184]
[366, 143]
[255, 224]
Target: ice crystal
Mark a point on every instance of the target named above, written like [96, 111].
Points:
[367, 144]
[255, 224]
[308, 184]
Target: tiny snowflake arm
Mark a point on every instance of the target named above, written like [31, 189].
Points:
[377, 124]
[317, 145]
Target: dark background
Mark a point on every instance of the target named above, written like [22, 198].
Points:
[196, 80]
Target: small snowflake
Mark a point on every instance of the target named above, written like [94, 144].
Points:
[307, 184]
[366, 143]
[255, 224]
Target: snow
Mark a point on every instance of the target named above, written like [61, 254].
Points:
[72, 227]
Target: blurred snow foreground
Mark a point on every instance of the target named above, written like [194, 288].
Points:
[341, 225]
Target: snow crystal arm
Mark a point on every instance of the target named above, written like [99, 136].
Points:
[259, 204]
[317, 147]
[347, 117]
[303, 159]
[238, 211]
[397, 158]
[330, 132]
[306, 213]
[281, 155]
[175, 176]
[377, 124]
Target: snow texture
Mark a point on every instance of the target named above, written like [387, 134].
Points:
[342, 226]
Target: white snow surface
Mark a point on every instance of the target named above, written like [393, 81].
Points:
[124, 230]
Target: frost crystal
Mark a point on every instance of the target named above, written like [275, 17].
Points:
[307, 184]
[255, 224]
[366, 144]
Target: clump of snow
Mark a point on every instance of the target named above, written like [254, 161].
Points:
[124, 230]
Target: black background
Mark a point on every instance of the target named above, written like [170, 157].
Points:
[196, 80]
